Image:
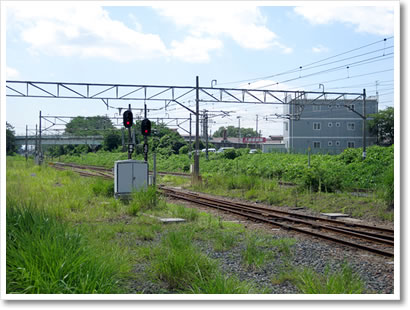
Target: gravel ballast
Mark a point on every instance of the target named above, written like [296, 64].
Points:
[377, 272]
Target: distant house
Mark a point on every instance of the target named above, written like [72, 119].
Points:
[326, 126]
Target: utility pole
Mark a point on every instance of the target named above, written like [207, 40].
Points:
[364, 124]
[40, 150]
[377, 92]
[239, 129]
[196, 155]
[206, 134]
[256, 124]
[130, 145]
[145, 137]
[190, 134]
[26, 145]
[36, 147]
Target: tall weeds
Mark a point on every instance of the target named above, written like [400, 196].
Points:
[46, 256]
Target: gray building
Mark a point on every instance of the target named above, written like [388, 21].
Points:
[326, 126]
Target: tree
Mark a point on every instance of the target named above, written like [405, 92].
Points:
[88, 126]
[233, 132]
[381, 124]
[173, 141]
[112, 140]
[11, 146]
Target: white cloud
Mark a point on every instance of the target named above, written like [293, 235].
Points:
[371, 19]
[243, 24]
[195, 49]
[11, 73]
[81, 30]
[87, 31]
[320, 49]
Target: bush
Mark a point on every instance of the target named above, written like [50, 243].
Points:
[387, 192]
[230, 154]
[103, 188]
[144, 200]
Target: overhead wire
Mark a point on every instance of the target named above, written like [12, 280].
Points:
[304, 67]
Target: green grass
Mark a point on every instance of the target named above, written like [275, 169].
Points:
[270, 192]
[308, 281]
[66, 234]
[46, 256]
[54, 244]
[144, 200]
[179, 263]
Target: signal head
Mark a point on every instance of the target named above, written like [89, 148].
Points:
[127, 119]
[146, 127]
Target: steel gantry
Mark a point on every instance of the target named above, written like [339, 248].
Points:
[169, 94]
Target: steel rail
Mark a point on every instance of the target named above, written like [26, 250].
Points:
[315, 218]
[282, 225]
[270, 214]
[249, 212]
[90, 167]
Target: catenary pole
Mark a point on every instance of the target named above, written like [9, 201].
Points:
[26, 144]
[364, 125]
[196, 154]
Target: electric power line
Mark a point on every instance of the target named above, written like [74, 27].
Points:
[304, 66]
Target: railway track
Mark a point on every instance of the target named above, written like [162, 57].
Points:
[370, 238]
[375, 239]
[88, 170]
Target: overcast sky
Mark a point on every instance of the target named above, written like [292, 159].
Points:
[238, 44]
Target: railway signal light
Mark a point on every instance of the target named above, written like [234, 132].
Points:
[146, 127]
[127, 118]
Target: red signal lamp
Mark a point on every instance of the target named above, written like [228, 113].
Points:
[127, 119]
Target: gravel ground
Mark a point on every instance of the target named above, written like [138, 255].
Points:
[376, 271]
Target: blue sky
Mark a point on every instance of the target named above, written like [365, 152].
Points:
[235, 43]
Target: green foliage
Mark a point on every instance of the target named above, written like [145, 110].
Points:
[189, 214]
[11, 146]
[222, 284]
[46, 256]
[103, 188]
[224, 240]
[387, 190]
[112, 140]
[232, 131]
[254, 255]
[179, 263]
[171, 141]
[381, 124]
[230, 154]
[88, 126]
[344, 281]
[143, 200]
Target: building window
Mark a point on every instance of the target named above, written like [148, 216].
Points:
[286, 127]
[329, 143]
[350, 107]
[316, 144]
[316, 108]
[316, 126]
[350, 126]
[330, 124]
[337, 124]
[337, 143]
[350, 143]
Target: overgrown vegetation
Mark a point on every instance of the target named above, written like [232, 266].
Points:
[325, 186]
[46, 256]
[66, 234]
